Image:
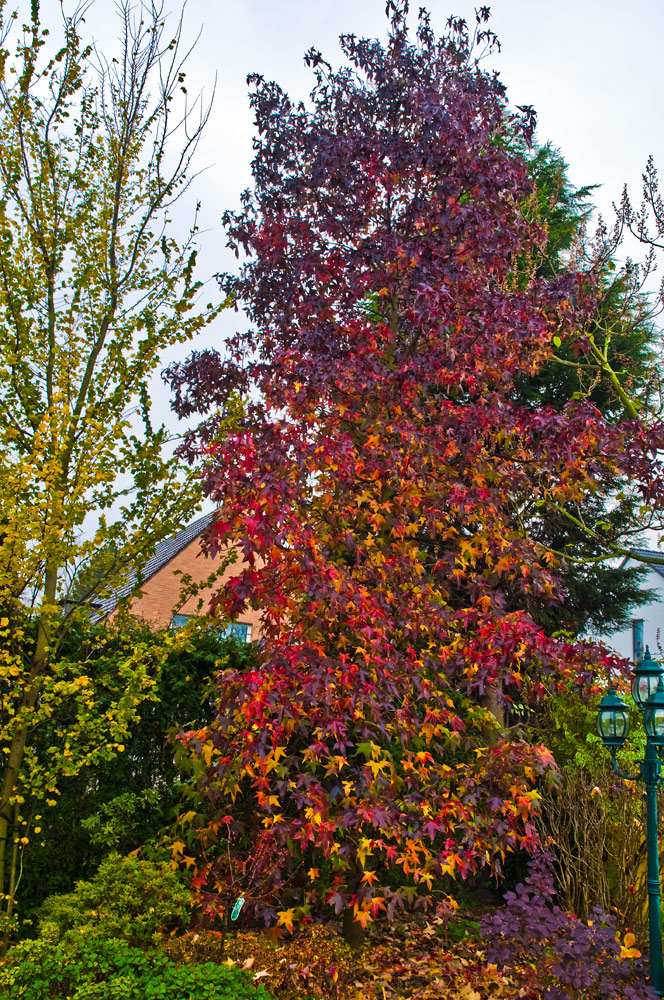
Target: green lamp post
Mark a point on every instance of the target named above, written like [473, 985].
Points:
[613, 727]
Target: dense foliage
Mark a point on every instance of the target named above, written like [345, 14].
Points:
[113, 970]
[594, 821]
[315, 965]
[576, 957]
[388, 483]
[131, 800]
[598, 596]
[442, 417]
[128, 898]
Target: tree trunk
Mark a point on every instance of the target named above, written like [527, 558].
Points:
[4, 944]
[496, 707]
[352, 932]
[17, 749]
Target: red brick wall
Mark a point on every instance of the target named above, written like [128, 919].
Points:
[161, 593]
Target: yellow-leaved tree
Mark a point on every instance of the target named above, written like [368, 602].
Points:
[94, 150]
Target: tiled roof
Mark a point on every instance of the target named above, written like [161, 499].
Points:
[658, 567]
[163, 554]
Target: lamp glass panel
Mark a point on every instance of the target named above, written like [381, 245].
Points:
[643, 686]
[656, 723]
[613, 724]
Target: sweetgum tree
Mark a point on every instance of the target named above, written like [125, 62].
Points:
[381, 485]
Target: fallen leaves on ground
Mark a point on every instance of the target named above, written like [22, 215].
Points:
[414, 960]
[417, 961]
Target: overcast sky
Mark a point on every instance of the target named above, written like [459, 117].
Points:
[591, 68]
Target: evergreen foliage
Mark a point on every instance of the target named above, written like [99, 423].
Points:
[599, 596]
[128, 802]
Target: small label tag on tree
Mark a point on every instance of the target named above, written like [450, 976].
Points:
[235, 912]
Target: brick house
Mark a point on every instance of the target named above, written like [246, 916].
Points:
[159, 603]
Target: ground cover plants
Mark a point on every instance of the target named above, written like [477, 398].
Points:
[113, 970]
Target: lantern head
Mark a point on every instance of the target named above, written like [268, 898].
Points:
[613, 720]
[653, 716]
[647, 673]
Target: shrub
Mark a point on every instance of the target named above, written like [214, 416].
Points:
[113, 970]
[574, 957]
[128, 898]
[592, 819]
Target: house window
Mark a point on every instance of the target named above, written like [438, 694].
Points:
[177, 621]
[238, 630]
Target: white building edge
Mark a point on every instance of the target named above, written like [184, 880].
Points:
[648, 622]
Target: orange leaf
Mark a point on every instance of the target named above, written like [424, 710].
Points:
[285, 919]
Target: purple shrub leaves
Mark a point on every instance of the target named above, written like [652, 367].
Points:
[577, 958]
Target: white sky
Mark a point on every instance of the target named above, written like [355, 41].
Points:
[591, 68]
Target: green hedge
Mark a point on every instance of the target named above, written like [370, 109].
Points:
[113, 970]
[80, 831]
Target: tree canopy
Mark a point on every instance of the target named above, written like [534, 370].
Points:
[384, 482]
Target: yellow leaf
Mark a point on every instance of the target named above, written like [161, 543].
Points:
[285, 919]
